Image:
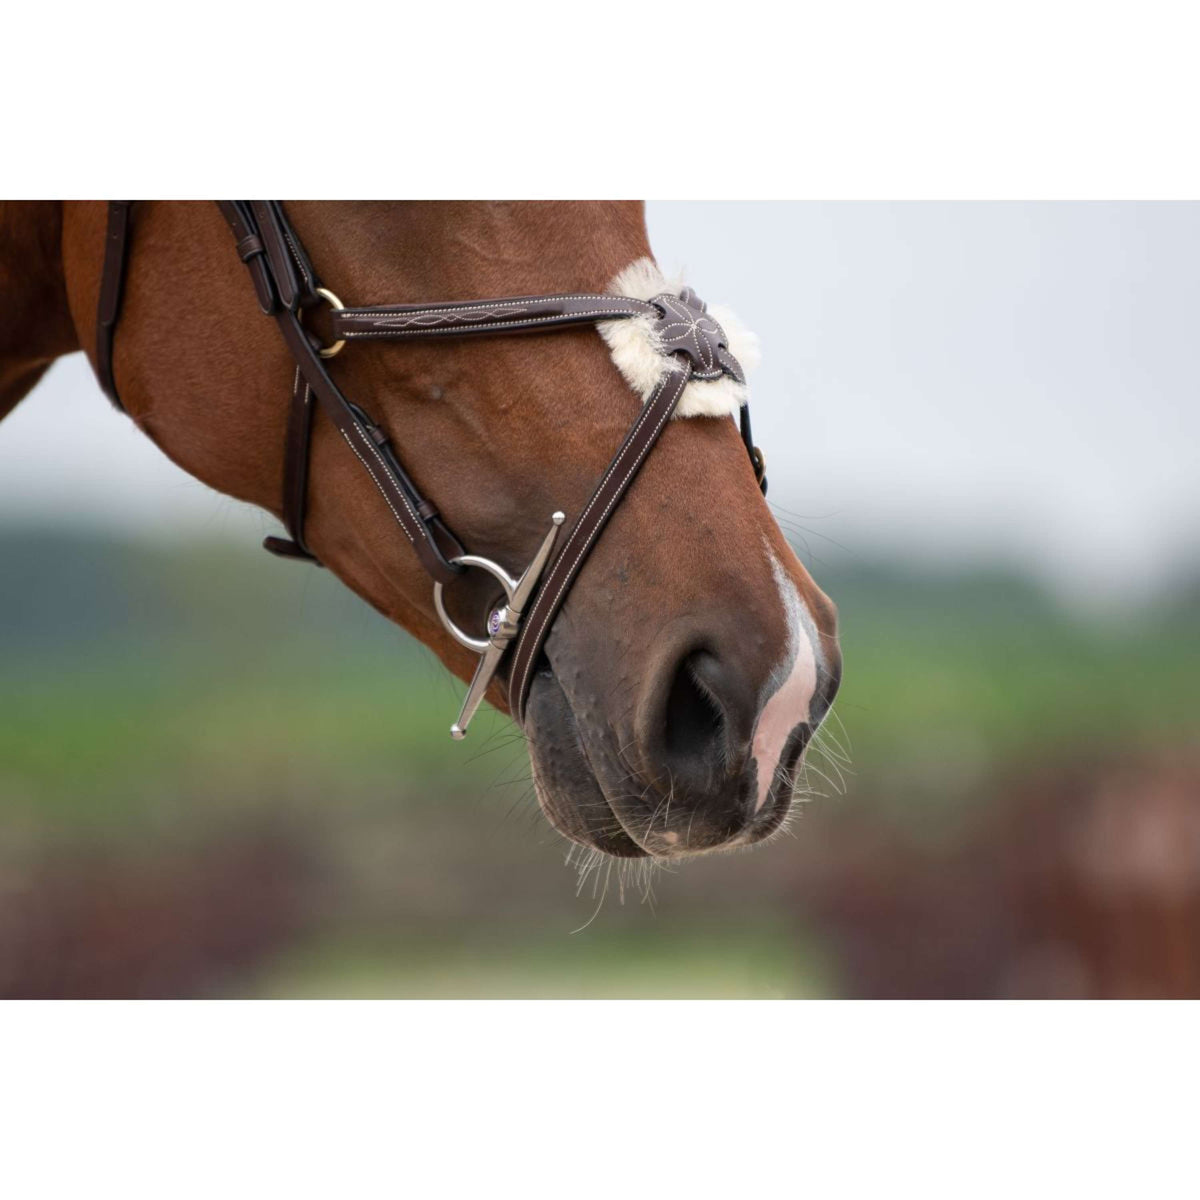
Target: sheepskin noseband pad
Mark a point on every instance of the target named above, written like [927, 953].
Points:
[721, 348]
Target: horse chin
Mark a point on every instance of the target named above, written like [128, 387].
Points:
[567, 788]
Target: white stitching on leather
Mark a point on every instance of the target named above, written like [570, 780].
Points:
[287, 233]
[399, 519]
[451, 306]
[370, 445]
[526, 323]
[504, 320]
[307, 387]
[570, 574]
[428, 317]
[692, 326]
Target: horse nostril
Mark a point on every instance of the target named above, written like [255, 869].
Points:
[696, 741]
[695, 721]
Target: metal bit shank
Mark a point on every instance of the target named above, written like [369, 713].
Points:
[507, 628]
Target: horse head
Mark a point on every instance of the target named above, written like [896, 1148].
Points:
[693, 657]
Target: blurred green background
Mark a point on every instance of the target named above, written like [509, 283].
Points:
[223, 775]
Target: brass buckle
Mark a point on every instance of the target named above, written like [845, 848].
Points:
[334, 303]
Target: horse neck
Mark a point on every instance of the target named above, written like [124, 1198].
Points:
[37, 326]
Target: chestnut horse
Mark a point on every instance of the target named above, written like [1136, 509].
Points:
[694, 657]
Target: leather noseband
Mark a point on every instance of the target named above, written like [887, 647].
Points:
[286, 285]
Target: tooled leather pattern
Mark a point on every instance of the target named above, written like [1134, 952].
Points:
[503, 314]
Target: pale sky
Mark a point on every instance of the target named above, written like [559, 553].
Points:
[944, 381]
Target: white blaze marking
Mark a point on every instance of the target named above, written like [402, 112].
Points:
[796, 682]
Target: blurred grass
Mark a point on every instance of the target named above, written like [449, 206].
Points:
[958, 674]
[152, 694]
[716, 963]
[122, 660]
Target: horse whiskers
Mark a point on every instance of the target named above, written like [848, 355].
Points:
[583, 859]
[839, 785]
[600, 904]
[658, 808]
[518, 802]
[506, 729]
[485, 749]
[631, 874]
[624, 761]
[779, 508]
[831, 755]
[796, 776]
[799, 788]
[840, 789]
[824, 736]
[825, 730]
[640, 873]
[520, 777]
[789, 519]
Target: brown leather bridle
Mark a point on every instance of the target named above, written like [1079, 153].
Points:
[287, 285]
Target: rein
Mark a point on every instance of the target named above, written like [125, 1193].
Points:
[287, 285]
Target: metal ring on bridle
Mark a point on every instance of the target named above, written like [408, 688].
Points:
[333, 302]
[506, 581]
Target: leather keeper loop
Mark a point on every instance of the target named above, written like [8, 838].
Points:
[248, 247]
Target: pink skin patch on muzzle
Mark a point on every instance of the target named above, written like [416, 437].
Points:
[791, 702]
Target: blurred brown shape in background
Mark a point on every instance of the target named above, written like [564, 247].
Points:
[86, 924]
[1079, 882]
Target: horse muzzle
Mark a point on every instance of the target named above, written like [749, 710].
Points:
[700, 756]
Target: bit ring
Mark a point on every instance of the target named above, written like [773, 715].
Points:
[506, 581]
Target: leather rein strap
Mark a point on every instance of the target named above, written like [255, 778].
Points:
[287, 285]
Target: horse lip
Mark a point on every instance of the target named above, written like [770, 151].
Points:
[568, 788]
